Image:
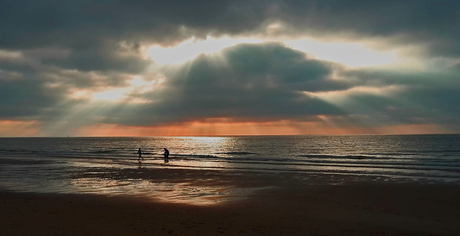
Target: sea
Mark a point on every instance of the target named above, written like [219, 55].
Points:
[65, 164]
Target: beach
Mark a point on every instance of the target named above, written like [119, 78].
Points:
[289, 185]
[259, 204]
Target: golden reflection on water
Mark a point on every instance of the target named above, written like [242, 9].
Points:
[208, 145]
[108, 176]
[128, 177]
[172, 192]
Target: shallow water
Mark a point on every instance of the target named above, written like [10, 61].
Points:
[58, 164]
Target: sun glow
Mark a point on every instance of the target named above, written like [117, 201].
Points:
[341, 96]
[348, 53]
[112, 94]
[320, 125]
[137, 85]
[192, 48]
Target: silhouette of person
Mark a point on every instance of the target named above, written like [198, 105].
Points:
[140, 155]
[166, 155]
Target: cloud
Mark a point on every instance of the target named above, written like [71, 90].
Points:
[405, 22]
[77, 24]
[104, 58]
[81, 24]
[22, 97]
[57, 59]
[259, 81]
[94, 35]
[266, 82]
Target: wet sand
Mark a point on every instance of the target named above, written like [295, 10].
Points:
[277, 204]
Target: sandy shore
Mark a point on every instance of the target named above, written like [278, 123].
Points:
[290, 205]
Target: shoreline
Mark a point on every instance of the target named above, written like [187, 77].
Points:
[284, 204]
[199, 186]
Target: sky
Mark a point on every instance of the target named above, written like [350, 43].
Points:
[229, 67]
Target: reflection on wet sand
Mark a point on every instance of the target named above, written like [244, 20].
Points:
[155, 180]
[165, 185]
[184, 193]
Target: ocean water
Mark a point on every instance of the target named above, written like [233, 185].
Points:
[57, 164]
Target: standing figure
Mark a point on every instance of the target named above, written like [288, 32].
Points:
[166, 155]
[140, 155]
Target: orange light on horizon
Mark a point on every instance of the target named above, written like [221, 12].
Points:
[284, 127]
[15, 128]
[223, 127]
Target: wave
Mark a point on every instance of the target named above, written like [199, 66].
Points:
[392, 170]
[11, 161]
[103, 151]
[354, 157]
[236, 153]
[14, 150]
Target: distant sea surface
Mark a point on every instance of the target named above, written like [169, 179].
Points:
[47, 164]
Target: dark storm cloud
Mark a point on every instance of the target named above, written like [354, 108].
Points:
[93, 31]
[378, 78]
[431, 23]
[267, 81]
[427, 97]
[262, 81]
[48, 48]
[23, 98]
[83, 23]
[258, 67]
[98, 35]
[106, 57]
[421, 105]
[43, 92]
